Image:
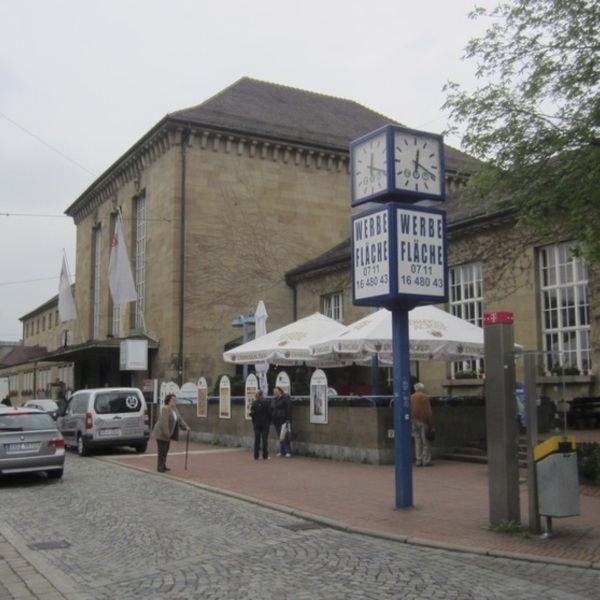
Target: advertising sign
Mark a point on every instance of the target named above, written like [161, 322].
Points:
[318, 397]
[283, 381]
[225, 398]
[399, 256]
[202, 406]
[251, 388]
[134, 355]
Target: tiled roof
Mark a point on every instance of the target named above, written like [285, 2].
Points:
[458, 214]
[339, 254]
[285, 113]
[23, 354]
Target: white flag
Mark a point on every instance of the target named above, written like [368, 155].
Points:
[66, 304]
[120, 277]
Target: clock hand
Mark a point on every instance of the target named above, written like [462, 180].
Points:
[416, 161]
[417, 165]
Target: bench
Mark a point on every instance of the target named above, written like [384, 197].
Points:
[584, 412]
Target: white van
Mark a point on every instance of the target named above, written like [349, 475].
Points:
[104, 417]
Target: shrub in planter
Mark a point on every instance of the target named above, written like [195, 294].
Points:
[465, 375]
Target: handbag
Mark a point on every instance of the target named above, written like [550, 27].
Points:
[430, 434]
[287, 433]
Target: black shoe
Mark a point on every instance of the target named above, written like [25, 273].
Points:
[161, 470]
[167, 469]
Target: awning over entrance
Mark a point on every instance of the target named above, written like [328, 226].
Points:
[90, 350]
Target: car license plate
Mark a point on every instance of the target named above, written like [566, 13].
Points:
[22, 447]
[109, 432]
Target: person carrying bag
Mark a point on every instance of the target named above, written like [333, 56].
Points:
[282, 415]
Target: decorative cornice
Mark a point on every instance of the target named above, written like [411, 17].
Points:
[131, 166]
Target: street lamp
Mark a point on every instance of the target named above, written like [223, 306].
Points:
[243, 321]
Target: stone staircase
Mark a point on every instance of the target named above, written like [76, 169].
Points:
[475, 452]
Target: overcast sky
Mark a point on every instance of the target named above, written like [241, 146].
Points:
[82, 80]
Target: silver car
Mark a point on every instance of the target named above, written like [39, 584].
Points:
[45, 404]
[105, 417]
[30, 441]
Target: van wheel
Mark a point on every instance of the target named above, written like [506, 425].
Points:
[141, 448]
[82, 448]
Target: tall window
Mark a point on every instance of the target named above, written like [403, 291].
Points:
[332, 306]
[466, 302]
[140, 261]
[97, 270]
[565, 308]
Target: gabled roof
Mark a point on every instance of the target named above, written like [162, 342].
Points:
[250, 107]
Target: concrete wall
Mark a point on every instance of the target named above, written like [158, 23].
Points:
[356, 431]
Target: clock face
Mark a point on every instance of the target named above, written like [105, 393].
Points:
[417, 164]
[369, 167]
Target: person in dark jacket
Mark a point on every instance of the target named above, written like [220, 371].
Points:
[6, 401]
[282, 413]
[260, 413]
[166, 429]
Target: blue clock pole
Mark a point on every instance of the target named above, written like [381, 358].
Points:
[402, 420]
[399, 251]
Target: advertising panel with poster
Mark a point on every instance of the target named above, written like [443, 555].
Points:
[318, 397]
[202, 405]
[283, 381]
[225, 398]
[167, 387]
[251, 388]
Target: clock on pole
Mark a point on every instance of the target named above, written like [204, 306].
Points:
[419, 164]
[397, 163]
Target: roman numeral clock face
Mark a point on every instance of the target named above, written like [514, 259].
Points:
[417, 164]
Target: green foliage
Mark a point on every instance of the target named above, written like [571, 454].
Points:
[535, 116]
[565, 370]
[588, 461]
[465, 375]
[507, 527]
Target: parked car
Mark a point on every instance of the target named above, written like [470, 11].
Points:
[44, 404]
[105, 417]
[30, 441]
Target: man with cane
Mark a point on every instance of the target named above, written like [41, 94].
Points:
[167, 429]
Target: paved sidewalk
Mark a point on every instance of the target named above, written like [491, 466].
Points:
[451, 504]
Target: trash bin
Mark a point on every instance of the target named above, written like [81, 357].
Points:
[557, 478]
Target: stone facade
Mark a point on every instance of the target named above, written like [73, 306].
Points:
[236, 192]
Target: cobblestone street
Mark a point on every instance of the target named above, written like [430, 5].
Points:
[106, 532]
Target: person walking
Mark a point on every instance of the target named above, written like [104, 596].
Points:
[422, 421]
[260, 413]
[167, 429]
[282, 413]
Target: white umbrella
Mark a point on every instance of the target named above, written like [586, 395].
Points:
[290, 345]
[260, 329]
[434, 334]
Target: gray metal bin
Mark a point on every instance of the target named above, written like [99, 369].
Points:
[557, 478]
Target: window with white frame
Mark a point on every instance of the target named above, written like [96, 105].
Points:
[466, 302]
[28, 382]
[565, 309]
[332, 306]
[97, 270]
[140, 260]
[43, 383]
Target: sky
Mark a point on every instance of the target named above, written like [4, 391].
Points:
[82, 81]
